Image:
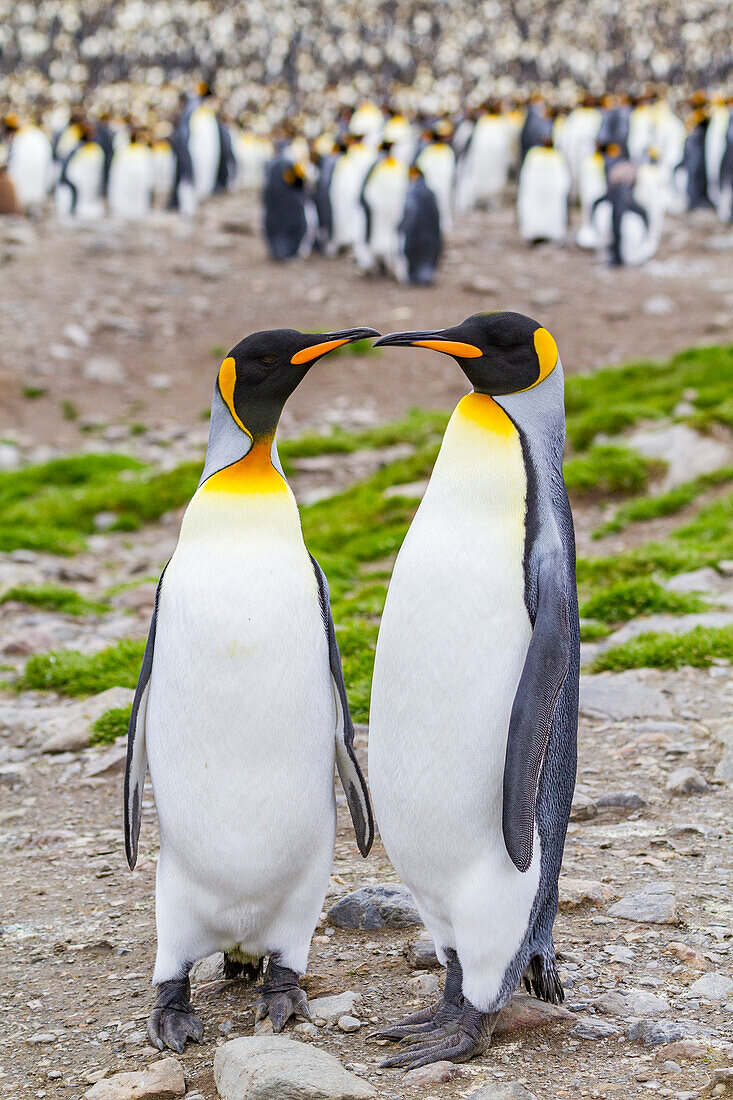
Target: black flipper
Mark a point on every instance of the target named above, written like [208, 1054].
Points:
[136, 755]
[545, 668]
[352, 780]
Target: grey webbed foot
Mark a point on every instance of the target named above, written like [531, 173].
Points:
[430, 1019]
[173, 1020]
[542, 979]
[281, 997]
[442, 1014]
[458, 1040]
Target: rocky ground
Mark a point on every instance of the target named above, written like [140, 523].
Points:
[645, 932]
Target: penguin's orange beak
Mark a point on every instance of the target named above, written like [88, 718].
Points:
[435, 341]
[329, 341]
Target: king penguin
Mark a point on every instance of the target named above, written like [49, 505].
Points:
[241, 708]
[472, 739]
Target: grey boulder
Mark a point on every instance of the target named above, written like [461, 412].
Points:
[275, 1068]
[386, 905]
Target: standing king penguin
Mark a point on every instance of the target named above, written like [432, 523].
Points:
[240, 709]
[472, 739]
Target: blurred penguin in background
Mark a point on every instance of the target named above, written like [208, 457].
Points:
[544, 191]
[724, 203]
[131, 179]
[615, 117]
[592, 186]
[537, 127]
[183, 192]
[484, 165]
[437, 162]
[715, 145]
[578, 141]
[79, 191]
[347, 180]
[383, 202]
[324, 156]
[420, 238]
[29, 162]
[693, 167]
[290, 218]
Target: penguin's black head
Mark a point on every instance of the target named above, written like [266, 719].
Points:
[499, 353]
[260, 373]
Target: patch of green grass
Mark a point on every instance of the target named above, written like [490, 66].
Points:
[699, 647]
[663, 504]
[417, 428]
[611, 400]
[32, 392]
[609, 471]
[53, 597]
[69, 410]
[624, 600]
[52, 507]
[217, 351]
[592, 631]
[70, 672]
[705, 540]
[110, 725]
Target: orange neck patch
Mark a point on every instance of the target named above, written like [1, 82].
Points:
[481, 409]
[254, 473]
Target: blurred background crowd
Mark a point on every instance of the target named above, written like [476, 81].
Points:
[369, 127]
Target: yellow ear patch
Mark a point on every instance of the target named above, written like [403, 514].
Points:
[547, 355]
[307, 355]
[227, 379]
[450, 347]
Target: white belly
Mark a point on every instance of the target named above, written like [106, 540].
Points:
[240, 736]
[451, 648]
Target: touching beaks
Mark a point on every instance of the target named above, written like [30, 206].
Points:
[435, 341]
[329, 341]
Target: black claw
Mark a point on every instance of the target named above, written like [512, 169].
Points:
[455, 1041]
[542, 978]
[281, 997]
[173, 1021]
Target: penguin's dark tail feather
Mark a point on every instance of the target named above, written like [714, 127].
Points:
[542, 979]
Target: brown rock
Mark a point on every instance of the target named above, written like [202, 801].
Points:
[688, 955]
[420, 953]
[578, 893]
[525, 1013]
[692, 1049]
[435, 1074]
[162, 1080]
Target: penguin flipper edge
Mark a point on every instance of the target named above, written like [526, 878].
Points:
[545, 668]
[136, 756]
[347, 765]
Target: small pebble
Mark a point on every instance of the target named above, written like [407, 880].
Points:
[348, 1024]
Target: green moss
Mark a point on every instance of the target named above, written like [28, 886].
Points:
[53, 597]
[624, 600]
[69, 410]
[70, 672]
[609, 470]
[705, 540]
[616, 398]
[663, 504]
[591, 631]
[700, 647]
[32, 392]
[110, 725]
[418, 427]
[52, 507]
